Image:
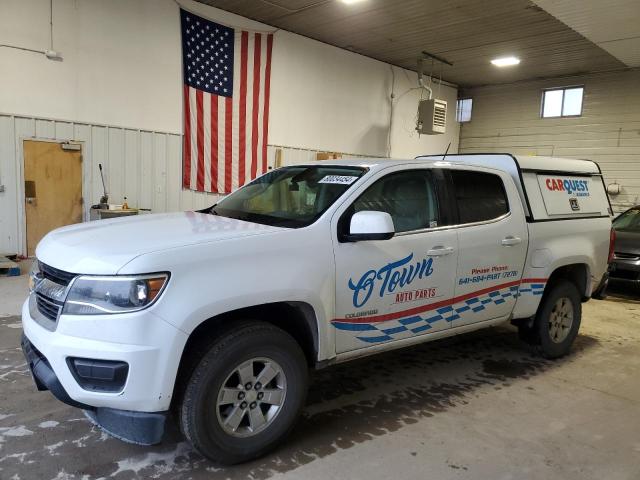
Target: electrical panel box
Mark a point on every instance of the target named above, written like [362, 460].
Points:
[432, 116]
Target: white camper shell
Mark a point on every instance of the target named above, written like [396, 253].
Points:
[550, 188]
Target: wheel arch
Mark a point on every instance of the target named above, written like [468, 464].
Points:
[579, 274]
[296, 318]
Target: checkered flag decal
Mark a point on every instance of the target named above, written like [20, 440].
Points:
[417, 324]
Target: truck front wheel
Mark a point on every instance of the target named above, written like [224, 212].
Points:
[245, 394]
[558, 319]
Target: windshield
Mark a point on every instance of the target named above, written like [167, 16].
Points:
[629, 220]
[289, 197]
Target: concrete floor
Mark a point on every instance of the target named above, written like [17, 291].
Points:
[478, 406]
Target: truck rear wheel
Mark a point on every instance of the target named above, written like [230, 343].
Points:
[245, 394]
[558, 319]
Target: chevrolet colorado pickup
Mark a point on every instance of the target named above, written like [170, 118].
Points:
[217, 315]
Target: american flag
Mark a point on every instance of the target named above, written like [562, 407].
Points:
[226, 104]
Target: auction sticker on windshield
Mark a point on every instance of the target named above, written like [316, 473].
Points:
[339, 179]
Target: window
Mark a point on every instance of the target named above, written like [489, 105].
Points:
[291, 197]
[480, 196]
[408, 196]
[562, 102]
[463, 109]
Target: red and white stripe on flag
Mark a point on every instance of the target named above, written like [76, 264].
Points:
[225, 137]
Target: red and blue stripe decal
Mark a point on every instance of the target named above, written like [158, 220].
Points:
[390, 326]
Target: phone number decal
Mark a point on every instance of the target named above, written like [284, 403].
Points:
[487, 277]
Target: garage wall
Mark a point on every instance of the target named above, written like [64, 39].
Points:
[118, 91]
[138, 164]
[122, 67]
[507, 119]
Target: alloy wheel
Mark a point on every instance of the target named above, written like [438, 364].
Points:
[251, 397]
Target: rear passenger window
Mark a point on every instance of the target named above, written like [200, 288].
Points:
[480, 196]
[408, 196]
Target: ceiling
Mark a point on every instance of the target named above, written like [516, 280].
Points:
[467, 33]
[613, 25]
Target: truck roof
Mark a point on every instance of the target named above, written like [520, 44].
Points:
[514, 165]
[501, 161]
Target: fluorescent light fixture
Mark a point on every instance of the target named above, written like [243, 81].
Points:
[505, 61]
[351, 2]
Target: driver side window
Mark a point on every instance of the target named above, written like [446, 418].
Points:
[408, 196]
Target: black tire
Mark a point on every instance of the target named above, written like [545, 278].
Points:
[542, 329]
[198, 410]
[526, 332]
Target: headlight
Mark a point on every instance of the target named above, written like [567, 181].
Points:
[102, 295]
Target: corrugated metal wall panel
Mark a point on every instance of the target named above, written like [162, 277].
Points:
[144, 166]
[160, 172]
[147, 176]
[45, 129]
[132, 166]
[174, 173]
[82, 133]
[115, 158]
[24, 128]
[507, 119]
[296, 156]
[98, 151]
[63, 130]
[9, 227]
[136, 164]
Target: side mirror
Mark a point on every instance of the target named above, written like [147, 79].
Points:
[370, 225]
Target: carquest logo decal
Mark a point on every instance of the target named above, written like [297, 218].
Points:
[578, 187]
[407, 323]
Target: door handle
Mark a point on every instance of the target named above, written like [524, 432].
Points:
[439, 251]
[511, 241]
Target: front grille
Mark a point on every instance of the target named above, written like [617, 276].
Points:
[55, 275]
[47, 307]
[50, 292]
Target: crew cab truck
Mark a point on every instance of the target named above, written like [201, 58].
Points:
[217, 315]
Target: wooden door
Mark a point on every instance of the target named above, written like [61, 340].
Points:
[52, 187]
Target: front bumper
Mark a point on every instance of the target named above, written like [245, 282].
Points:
[142, 428]
[43, 375]
[148, 344]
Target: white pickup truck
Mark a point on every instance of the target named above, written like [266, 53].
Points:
[217, 315]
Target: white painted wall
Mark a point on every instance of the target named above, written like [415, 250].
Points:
[122, 67]
[507, 119]
[118, 90]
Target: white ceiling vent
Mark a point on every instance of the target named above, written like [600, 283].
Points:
[432, 116]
